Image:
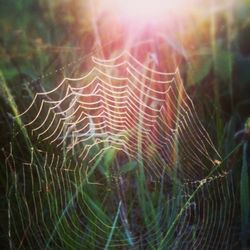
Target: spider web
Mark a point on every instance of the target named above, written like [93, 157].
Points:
[120, 130]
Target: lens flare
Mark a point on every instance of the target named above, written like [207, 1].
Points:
[145, 10]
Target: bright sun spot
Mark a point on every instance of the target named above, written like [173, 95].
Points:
[144, 10]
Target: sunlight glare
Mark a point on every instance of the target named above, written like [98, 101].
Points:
[145, 10]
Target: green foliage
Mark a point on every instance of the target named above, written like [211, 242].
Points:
[244, 197]
[198, 69]
[223, 62]
[130, 166]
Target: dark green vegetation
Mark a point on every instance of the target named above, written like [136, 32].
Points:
[43, 41]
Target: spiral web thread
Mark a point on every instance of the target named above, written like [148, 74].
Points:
[124, 110]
